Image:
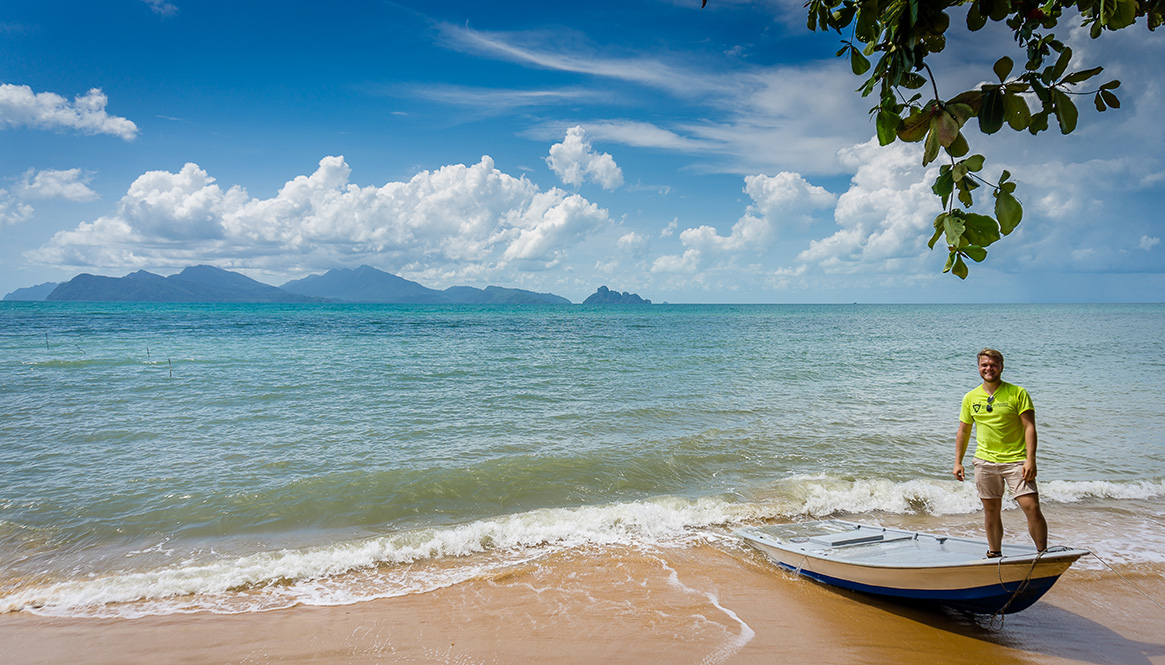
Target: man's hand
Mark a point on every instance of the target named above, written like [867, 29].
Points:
[1029, 470]
[962, 438]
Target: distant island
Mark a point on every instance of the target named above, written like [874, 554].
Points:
[38, 292]
[605, 296]
[210, 284]
[369, 285]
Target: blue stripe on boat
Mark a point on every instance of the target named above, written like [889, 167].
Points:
[983, 599]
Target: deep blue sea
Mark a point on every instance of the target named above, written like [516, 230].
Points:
[159, 458]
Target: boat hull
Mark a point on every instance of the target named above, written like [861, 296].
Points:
[921, 567]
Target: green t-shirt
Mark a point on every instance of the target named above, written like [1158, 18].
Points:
[998, 432]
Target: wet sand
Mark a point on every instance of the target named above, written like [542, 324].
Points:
[697, 605]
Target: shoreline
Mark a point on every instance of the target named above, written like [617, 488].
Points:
[704, 604]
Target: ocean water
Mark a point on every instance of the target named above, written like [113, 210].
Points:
[160, 458]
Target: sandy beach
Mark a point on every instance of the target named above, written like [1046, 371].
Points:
[685, 605]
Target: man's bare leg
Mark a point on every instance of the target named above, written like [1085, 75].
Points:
[993, 523]
[1037, 526]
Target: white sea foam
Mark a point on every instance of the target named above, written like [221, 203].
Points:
[267, 580]
[827, 496]
[1074, 491]
[427, 559]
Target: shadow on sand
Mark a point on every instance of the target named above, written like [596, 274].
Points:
[1041, 629]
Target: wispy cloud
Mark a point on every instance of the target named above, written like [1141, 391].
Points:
[162, 7]
[13, 210]
[750, 118]
[70, 184]
[546, 51]
[487, 100]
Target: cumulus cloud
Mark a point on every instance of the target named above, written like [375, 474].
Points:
[634, 243]
[885, 214]
[457, 218]
[786, 196]
[776, 200]
[687, 263]
[575, 162]
[51, 184]
[1148, 243]
[20, 107]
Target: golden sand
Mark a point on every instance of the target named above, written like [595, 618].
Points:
[700, 605]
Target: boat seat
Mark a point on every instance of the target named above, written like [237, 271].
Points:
[849, 538]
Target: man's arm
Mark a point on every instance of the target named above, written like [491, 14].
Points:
[1028, 419]
[962, 436]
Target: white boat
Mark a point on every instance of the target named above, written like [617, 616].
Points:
[912, 565]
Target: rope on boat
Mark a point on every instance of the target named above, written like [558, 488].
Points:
[801, 565]
[1127, 580]
[999, 613]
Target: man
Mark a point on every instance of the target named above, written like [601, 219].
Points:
[1005, 451]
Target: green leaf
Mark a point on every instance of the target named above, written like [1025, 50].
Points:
[975, 19]
[980, 230]
[961, 112]
[930, 148]
[1110, 99]
[1099, 102]
[991, 115]
[1079, 77]
[972, 98]
[948, 128]
[977, 254]
[1016, 111]
[915, 126]
[959, 147]
[1039, 122]
[965, 187]
[950, 262]
[1065, 110]
[934, 238]
[1061, 65]
[913, 81]
[1003, 68]
[954, 227]
[1008, 211]
[974, 163]
[1123, 14]
[858, 62]
[866, 29]
[943, 186]
[960, 267]
[887, 124]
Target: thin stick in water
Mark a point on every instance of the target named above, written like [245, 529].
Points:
[80, 349]
[171, 367]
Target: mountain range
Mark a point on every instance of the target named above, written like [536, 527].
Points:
[367, 284]
[210, 284]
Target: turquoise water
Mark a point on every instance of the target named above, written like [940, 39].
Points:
[158, 457]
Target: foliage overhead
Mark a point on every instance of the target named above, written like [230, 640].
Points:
[899, 35]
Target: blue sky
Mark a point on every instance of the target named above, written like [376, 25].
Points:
[715, 155]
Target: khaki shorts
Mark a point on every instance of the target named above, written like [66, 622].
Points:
[990, 477]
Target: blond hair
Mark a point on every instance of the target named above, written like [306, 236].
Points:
[992, 354]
